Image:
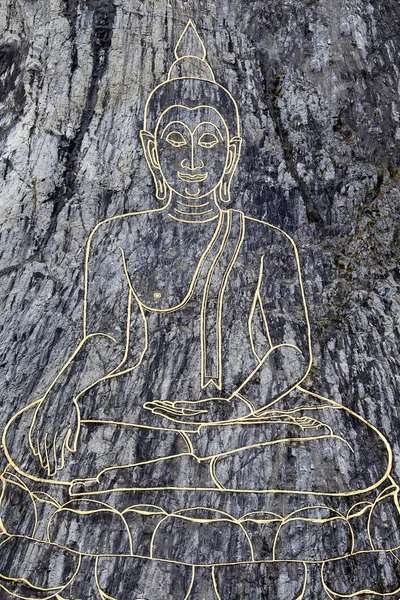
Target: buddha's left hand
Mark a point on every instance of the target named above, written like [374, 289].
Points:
[210, 410]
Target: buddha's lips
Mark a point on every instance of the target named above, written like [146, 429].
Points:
[198, 178]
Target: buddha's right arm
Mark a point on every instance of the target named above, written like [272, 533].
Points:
[56, 422]
[101, 352]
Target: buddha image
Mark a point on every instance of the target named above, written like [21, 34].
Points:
[181, 415]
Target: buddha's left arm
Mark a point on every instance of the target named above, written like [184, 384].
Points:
[280, 338]
[285, 358]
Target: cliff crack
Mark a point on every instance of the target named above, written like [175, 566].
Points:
[100, 41]
[272, 84]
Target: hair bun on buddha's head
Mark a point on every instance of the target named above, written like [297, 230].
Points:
[191, 83]
[191, 67]
[191, 57]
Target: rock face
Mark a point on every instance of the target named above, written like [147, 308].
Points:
[304, 468]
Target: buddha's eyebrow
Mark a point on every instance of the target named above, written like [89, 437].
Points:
[195, 129]
[175, 123]
[209, 123]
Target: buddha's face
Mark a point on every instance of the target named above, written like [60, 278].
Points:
[192, 146]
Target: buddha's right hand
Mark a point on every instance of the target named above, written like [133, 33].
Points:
[54, 430]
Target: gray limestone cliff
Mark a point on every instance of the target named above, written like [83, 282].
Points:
[317, 84]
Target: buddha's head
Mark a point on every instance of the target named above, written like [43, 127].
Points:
[191, 135]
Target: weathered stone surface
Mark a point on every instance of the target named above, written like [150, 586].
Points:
[317, 84]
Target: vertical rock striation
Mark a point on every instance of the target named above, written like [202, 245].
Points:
[317, 84]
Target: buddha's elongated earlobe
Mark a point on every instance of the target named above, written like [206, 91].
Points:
[150, 152]
[235, 145]
[161, 188]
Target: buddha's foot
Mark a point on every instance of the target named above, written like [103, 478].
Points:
[183, 471]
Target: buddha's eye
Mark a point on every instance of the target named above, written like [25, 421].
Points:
[208, 140]
[176, 139]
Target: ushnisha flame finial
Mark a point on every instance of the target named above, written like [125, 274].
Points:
[190, 43]
[191, 57]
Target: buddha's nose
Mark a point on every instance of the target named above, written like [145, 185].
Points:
[192, 164]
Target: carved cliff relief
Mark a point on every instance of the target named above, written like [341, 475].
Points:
[178, 442]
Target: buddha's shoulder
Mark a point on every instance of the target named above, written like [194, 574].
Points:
[125, 227]
[265, 237]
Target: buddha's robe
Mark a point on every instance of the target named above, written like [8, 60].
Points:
[236, 328]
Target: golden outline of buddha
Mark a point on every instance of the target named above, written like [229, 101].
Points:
[188, 381]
